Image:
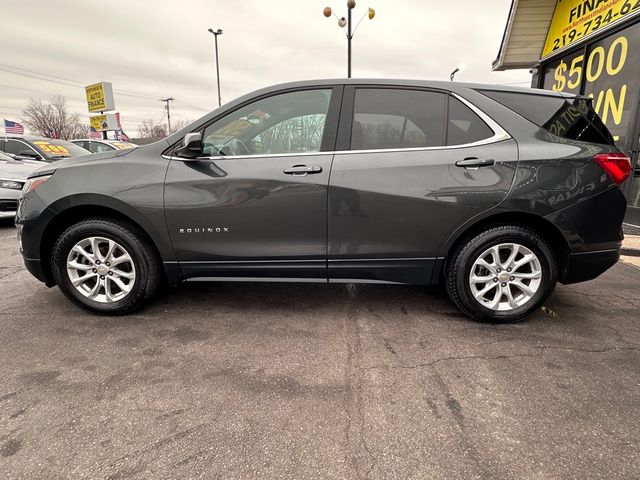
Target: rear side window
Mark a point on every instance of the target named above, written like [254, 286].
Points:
[572, 118]
[464, 125]
[397, 118]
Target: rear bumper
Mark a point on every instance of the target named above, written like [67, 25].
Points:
[589, 265]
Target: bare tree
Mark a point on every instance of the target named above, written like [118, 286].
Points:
[179, 124]
[51, 119]
[150, 129]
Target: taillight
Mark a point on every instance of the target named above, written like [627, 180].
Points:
[617, 165]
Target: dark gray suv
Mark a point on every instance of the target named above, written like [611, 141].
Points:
[497, 192]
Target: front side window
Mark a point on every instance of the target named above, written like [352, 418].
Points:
[15, 147]
[286, 123]
[396, 118]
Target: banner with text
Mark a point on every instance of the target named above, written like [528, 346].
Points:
[574, 20]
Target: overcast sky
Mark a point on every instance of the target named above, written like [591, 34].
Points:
[153, 49]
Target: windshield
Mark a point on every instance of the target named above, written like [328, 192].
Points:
[123, 145]
[52, 148]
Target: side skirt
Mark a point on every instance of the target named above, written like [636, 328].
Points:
[411, 271]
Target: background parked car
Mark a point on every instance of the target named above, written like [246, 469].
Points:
[99, 146]
[13, 174]
[40, 148]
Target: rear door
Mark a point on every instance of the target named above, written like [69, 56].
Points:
[415, 164]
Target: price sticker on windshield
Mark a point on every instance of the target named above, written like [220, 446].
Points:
[52, 149]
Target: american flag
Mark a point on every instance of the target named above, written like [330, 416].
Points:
[13, 127]
[93, 133]
[123, 136]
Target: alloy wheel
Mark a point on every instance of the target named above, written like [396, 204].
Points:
[101, 269]
[505, 276]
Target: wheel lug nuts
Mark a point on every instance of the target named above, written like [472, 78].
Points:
[512, 278]
[101, 277]
[508, 269]
[97, 262]
[110, 273]
[108, 264]
[94, 270]
[503, 284]
[495, 279]
[499, 270]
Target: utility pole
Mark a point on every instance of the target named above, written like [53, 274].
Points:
[167, 100]
[215, 33]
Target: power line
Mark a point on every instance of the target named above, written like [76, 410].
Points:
[65, 81]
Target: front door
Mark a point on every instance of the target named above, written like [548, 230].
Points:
[417, 165]
[255, 205]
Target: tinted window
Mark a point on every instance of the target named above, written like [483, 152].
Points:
[16, 147]
[464, 125]
[395, 118]
[572, 118]
[286, 123]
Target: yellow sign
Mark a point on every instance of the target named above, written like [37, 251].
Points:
[99, 97]
[574, 20]
[608, 74]
[51, 149]
[104, 122]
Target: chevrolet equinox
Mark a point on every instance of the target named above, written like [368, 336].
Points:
[496, 192]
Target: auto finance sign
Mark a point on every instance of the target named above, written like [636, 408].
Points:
[574, 20]
[100, 97]
[100, 123]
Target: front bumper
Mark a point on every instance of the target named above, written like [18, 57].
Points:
[34, 266]
[8, 203]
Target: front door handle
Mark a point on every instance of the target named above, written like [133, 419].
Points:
[474, 162]
[302, 170]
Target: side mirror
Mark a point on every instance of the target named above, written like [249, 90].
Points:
[191, 146]
[29, 154]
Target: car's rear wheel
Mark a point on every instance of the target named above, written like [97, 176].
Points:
[105, 266]
[502, 275]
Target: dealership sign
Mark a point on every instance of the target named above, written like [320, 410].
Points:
[575, 20]
[107, 121]
[100, 97]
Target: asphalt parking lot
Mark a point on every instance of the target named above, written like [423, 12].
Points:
[240, 381]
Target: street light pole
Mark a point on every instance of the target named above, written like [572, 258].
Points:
[346, 22]
[215, 35]
[349, 37]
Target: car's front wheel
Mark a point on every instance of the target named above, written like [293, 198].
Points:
[502, 275]
[105, 266]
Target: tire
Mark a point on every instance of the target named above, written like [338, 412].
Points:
[126, 285]
[522, 290]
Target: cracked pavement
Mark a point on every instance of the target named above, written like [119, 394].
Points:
[242, 381]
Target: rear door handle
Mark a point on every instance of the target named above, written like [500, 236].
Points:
[474, 162]
[302, 170]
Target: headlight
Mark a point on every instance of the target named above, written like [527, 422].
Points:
[33, 183]
[11, 184]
